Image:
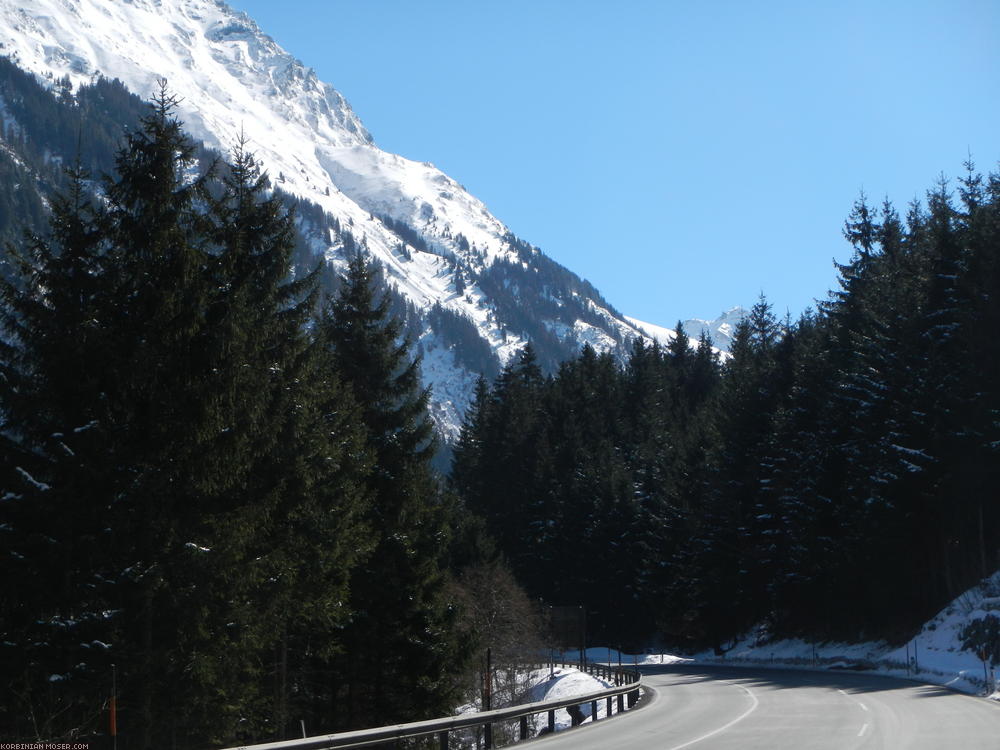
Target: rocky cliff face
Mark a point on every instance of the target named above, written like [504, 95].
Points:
[475, 292]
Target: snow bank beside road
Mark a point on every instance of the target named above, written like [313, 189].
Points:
[566, 682]
[936, 655]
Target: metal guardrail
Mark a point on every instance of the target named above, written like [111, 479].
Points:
[442, 727]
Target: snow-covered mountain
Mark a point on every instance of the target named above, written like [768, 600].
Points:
[440, 247]
[721, 330]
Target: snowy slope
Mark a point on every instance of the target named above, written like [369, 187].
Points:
[938, 654]
[234, 79]
[721, 329]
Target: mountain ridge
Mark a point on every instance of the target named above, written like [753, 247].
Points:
[721, 329]
[439, 246]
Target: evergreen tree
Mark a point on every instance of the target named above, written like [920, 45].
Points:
[468, 458]
[184, 472]
[722, 582]
[54, 515]
[508, 430]
[287, 439]
[396, 665]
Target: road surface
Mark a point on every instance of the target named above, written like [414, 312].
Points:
[724, 708]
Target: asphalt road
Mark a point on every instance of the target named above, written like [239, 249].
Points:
[720, 708]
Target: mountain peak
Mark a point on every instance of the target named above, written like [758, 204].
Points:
[196, 45]
[453, 264]
[720, 330]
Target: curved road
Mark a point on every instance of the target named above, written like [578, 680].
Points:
[725, 708]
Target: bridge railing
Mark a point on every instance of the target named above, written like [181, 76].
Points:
[626, 691]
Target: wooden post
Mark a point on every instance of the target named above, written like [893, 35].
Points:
[443, 738]
[524, 728]
[609, 706]
[593, 710]
[552, 720]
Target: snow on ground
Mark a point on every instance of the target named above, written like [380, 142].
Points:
[566, 682]
[935, 655]
[549, 683]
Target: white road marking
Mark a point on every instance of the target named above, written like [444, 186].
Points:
[723, 728]
[863, 706]
[864, 727]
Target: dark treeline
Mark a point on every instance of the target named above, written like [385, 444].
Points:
[212, 478]
[832, 479]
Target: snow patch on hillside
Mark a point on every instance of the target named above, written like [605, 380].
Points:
[453, 386]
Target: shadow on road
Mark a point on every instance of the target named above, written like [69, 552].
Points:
[779, 679]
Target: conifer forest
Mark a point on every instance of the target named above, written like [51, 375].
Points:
[219, 497]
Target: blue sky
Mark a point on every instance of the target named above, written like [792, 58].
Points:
[682, 156]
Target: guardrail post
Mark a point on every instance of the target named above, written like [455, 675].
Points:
[524, 728]
[593, 710]
[552, 721]
[488, 736]
[621, 703]
[609, 705]
[444, 739]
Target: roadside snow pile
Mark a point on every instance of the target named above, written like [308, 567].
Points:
[955, 649]
[517, 687]
[566, 682]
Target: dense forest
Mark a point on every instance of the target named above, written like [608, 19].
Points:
[218, 502]
[833, 478]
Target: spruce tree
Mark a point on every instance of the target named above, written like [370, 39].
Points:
[125, 282]
[54, 515]
[507, 429]
[286, 463]
[184, 468]
[395, 664]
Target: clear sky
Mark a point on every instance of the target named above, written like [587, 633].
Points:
[682, 156]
